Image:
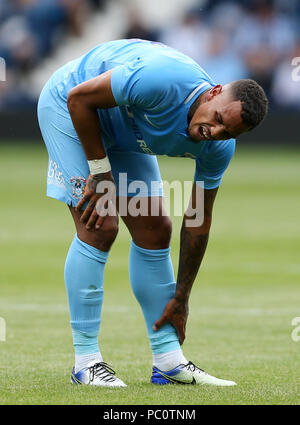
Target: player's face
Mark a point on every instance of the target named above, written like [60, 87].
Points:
[218, 117]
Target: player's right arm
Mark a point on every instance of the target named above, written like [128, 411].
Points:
[83, 102]
[193, 240]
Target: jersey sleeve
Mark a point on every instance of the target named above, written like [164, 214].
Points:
[147, 83]
[211, 166]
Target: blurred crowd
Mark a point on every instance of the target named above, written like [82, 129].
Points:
[30, 30]
[230, 39]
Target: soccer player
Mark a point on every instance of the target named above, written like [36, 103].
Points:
[110, 112]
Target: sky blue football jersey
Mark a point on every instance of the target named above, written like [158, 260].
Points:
[154, 87]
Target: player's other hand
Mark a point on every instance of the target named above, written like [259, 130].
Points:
[100, 194]
[176, 312]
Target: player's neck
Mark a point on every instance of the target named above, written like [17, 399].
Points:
[195, 105]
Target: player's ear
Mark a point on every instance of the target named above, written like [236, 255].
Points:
[214, 91]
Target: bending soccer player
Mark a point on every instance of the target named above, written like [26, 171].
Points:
[110, 112]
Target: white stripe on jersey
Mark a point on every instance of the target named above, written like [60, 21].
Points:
[195, 91]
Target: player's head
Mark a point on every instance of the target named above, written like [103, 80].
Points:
[227, 111]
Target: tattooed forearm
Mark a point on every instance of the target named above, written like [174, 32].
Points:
[192, 248]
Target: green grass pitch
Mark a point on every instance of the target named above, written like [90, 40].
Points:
[241, 308]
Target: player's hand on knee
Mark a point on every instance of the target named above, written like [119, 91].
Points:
[100, 196]
[176, 313]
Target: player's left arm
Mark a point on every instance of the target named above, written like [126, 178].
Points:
[193, 243]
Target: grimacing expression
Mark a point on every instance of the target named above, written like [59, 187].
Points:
[218, 117]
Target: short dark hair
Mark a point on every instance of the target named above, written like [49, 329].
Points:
[254, 101]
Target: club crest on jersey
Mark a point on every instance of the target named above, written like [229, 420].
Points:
[78, 186]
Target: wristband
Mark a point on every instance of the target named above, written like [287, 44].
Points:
[99, 166]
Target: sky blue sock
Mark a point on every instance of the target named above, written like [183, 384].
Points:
[153, 284]
[84, 270]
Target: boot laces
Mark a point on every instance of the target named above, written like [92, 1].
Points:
[190, 366]
[102, 371]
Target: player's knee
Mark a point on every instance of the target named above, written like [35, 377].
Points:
[161, 232]
[104, 237]
[108, 231]
[110, 227]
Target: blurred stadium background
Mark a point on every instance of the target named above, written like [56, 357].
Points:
[231, 39]
[247, 292]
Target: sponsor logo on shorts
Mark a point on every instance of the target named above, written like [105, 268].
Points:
[55, 176]
[78, 186]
